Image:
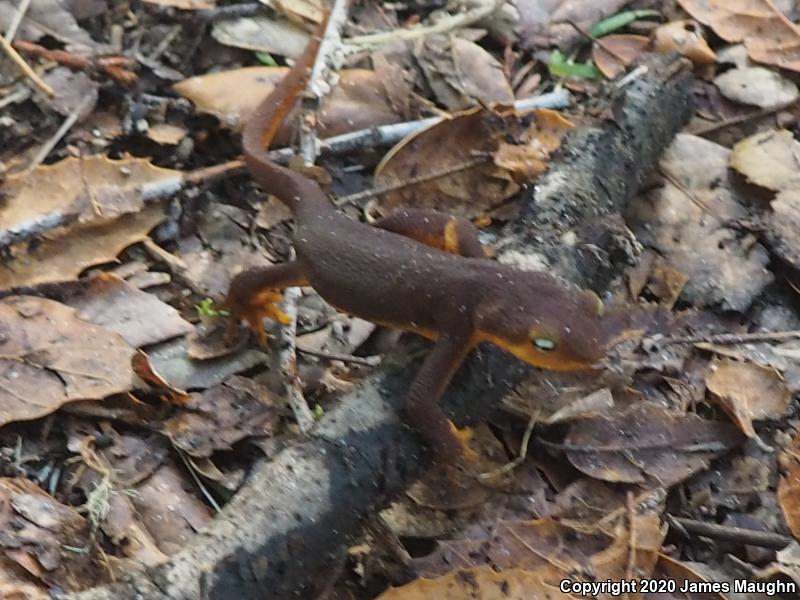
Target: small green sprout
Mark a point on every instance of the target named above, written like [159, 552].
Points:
[206, 308]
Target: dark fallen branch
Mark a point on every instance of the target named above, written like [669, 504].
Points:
[298, 512]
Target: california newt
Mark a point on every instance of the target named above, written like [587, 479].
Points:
[418, 271]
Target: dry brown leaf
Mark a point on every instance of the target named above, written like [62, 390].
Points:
[647, 443]
[667, 283]
[51, 357]
[222, 416]
[65, 253]
[546, 23]
[770, 159]
[90, 189]
[166, 134]
[165, 507]
[482, 583]
[789, 485]
[670, 569]
[613, 53]
[554, 550]
[37, 531]
[529, 158]
[756, 86]
[51, 18]
[461, 73]
[686, 38]
[767, 34]
[784, 234]
[453, 143]
[747, 392]
[140, 318]
[357, 102]
[685, 222]
[262, 33]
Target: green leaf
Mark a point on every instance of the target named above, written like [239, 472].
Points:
[620, 20]
[560, 66]
[319, 412]
[206, 308]
[265, 58]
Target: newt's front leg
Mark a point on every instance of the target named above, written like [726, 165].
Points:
[422, 402]
[254, 294]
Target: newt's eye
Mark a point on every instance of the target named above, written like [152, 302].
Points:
[544, 344]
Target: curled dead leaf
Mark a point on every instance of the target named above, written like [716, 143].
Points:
[686, 38]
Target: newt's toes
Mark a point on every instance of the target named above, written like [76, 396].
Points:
[464, 437]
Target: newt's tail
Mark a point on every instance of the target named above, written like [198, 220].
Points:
[266, 120]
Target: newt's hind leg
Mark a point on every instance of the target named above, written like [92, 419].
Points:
[254, 294]
[455, 235]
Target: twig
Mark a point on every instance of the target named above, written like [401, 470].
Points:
[116, 67]
[62, 131]
[523, 451]
[739, 119]
[25, 68]
[595, 40]
[22, 9]
[336, 145]
[736, 338]
[203, 489]
[389, 134]
[219, 13]
[686, 192]
[372, 192]
[19, 95]
[748, 537]
[367, 361]
[630, 505]
[357, 43]
[286, 358]
[329, 50]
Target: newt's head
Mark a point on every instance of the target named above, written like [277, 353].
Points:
[544, 323]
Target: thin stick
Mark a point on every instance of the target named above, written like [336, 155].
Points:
[736, 338]
[25, 68]
[748, 537]
[286, 359]
[739, 119]
[62, 131]
[357, 43]
[523, 452]
[367, 361]
[372, 192]
[22, 9]
[20, 94]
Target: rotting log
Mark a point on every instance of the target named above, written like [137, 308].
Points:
[298, 512]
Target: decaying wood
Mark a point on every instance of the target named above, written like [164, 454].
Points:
[298, 512]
